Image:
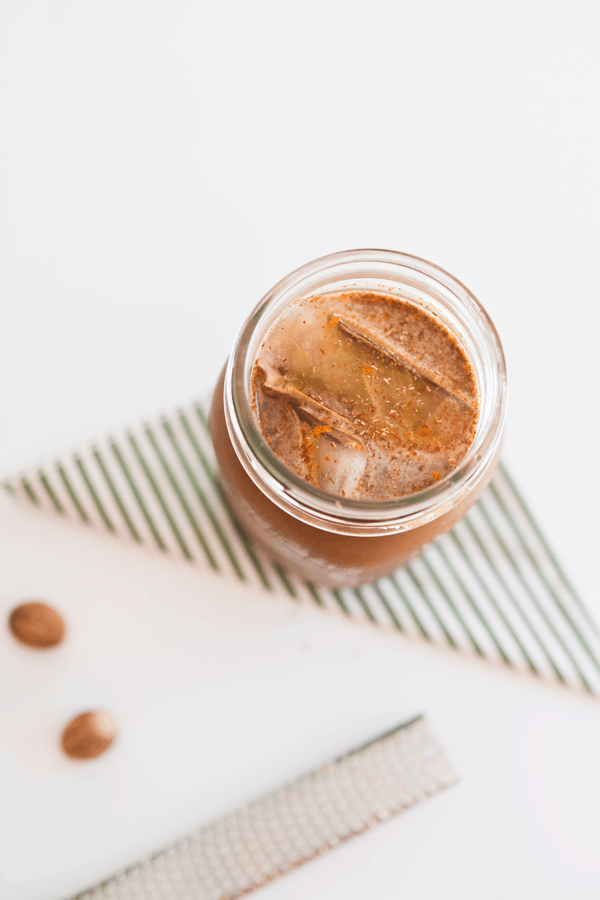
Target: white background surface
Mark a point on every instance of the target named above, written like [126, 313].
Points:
[162, 165]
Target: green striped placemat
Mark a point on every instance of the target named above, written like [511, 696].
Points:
[491, 587]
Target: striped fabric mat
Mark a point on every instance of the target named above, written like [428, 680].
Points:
[491, 587]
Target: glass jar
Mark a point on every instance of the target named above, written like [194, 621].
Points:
[339, 541]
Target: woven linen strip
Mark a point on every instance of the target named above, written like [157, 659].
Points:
[491, 587]
[293, 825]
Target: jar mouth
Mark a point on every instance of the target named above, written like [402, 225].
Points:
[428, 287]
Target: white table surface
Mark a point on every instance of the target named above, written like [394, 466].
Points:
[162, 165]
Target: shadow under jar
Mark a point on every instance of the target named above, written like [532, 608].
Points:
[360, 414]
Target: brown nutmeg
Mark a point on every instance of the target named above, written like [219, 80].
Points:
[37, 625]
[89, 734]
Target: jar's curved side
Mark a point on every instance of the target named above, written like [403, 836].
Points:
[327, 558]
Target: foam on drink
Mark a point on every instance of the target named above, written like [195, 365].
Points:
[364, 394]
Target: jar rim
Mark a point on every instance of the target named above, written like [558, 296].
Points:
[368, 268]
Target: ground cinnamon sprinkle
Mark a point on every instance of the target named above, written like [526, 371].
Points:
[388, 406]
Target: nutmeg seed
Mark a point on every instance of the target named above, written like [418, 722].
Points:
[37, 625]
[89, 734]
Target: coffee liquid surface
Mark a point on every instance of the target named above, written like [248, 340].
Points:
[364, 395]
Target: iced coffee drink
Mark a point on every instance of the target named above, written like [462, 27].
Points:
[364, 395]
[359, 419]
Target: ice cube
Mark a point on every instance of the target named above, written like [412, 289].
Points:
[337, 455]
[341, 463]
